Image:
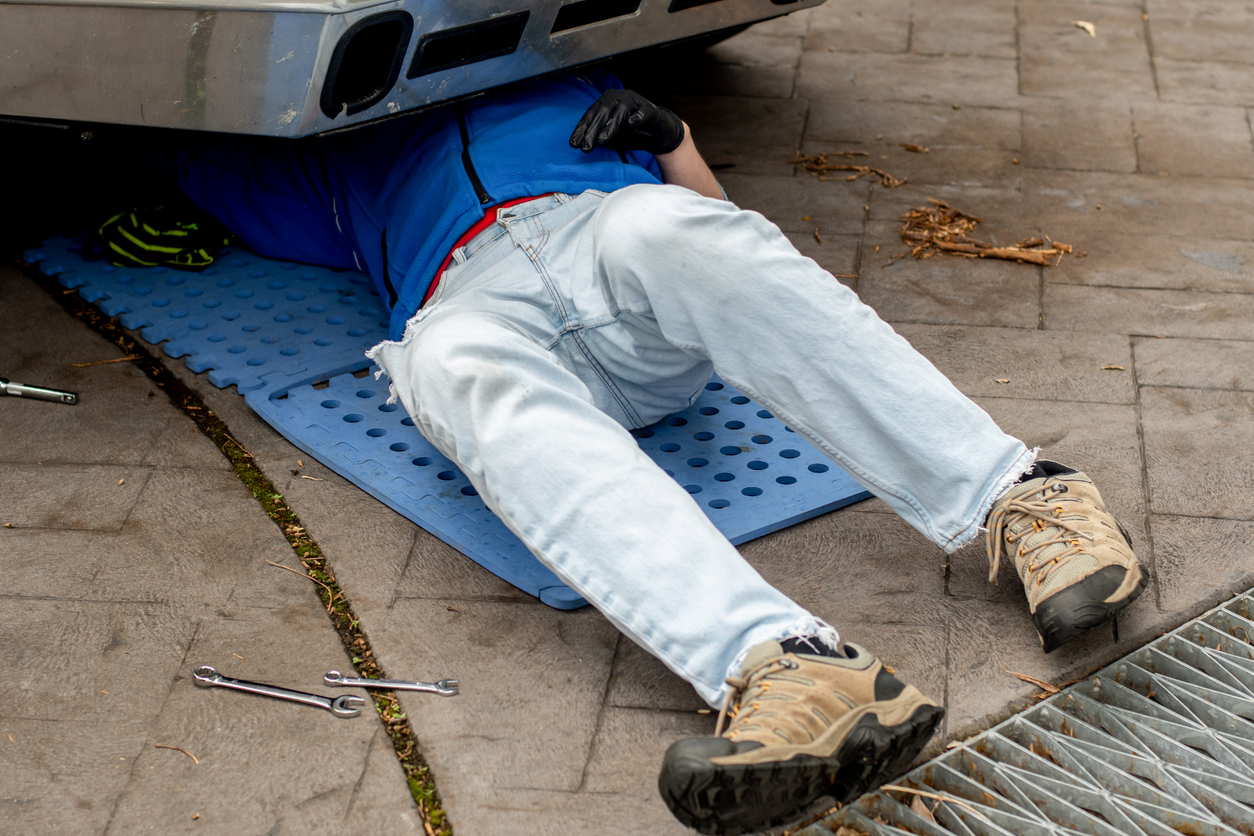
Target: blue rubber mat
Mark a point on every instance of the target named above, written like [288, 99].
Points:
[292, 338]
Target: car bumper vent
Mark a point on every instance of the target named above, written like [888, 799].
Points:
[467, 44]
[366, 63]
[1157, 744]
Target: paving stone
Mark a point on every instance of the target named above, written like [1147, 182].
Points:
[849, 26]
[1201, 30]
[1167, 313]
[1134, 204]
[532, 680]
[971, 28]
[629, 746]
[1098, 439]
[1058, 59]
[946, 291]
[972, 144]
[834, 207]
[1188, 139]
[97, 497]
[998, 204]
[757, 136]
[1201, 562]
[1058, 134]
[549, 813]
[797, 23]
[265, 764]
[1038, 365]
[1107, 258]
[1211, 82]
[754, 63]
[64, 776]
[1201, 364]
[1191, 439]
[640, 680]
[987, 82]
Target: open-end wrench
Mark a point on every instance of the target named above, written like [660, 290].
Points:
[40, 393]
[345, 706]
[445, 687]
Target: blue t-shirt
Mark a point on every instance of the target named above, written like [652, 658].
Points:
[407, 190]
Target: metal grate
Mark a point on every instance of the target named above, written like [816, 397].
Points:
[1159, 743]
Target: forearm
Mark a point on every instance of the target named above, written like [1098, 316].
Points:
[684, 167]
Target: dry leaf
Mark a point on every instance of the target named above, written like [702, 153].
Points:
[1002, 380]
[917, 149]
[120, 481]
[919, 807]
[817, 237]
[1039, 683]
[1086, 26]
[1112, 368]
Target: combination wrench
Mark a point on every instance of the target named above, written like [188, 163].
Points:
[344, 706]
[445, 687]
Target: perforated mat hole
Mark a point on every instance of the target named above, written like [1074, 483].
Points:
[212, 303]
[730, 451]
[446, 475]
[322, 341]
[708, 410]
[264, 306]
[786, 480]
[193, 292]
[308, 276]
[250, 328]
[256, 361]
[275, 285]
[693, 488]
[243, 294]
[376, 432]
[739, 399]
[226, 282]
[356, 332]
[125, 279]
[239, 262]
[289, 352]
[703, 436]
[724, 477]
[335, 320]
[676, 421]
[353, 417]
[283, 317]
[642, 433]
[217, 338]
[270, 339]
[698, 462]
[198, 325]
[817, 468]
[469, 491]
[209, 271]
[157, 270]
[762, 439]
[295, 297]
[422, 461]
[398, 447]
[713, 386]
[389, 407]
[718, 503]
[407, 421]
[669, 448]
[735, 425]
[762, 413]
[316, 308]
[160, 303]
[231, 316]
[789, 454]
[758, 465]
[789, 430]
[304, 329]
[179, 314]
[236, 349]
[142, 291]
[175, 280]
[751, 491]
[365, 393]
[330, 403]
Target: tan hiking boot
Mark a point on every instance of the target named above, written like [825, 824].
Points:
[801, 726]
[1074, 558]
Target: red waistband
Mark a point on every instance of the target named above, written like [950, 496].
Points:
[489, 218]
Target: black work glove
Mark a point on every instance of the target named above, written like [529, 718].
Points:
[625, 121]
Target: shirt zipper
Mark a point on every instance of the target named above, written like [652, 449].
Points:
[480, 191]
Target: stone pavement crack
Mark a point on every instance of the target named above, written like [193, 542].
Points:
[347, 625]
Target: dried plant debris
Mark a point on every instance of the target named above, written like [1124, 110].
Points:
[818, 165]
[944, 229]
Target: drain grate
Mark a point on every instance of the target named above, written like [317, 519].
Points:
[1159, 743]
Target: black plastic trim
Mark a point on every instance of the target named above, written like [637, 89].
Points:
[588, 12]
[468, 44]
[680, 5]
[332, 104]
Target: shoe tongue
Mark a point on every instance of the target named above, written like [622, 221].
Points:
[759, 655]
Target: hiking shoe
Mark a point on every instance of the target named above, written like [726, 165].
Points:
[1074, 558]
[801, 726]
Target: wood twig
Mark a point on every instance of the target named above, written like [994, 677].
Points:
[932, 795]
[818, 165]
[240, 446]
[177, 749]
[941, 228]
[104, 362]
[330, 594]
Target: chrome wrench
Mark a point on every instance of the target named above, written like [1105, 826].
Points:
[40, 393]
[345, 706]
[445, 687]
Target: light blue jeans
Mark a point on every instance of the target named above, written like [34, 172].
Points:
[574, 319]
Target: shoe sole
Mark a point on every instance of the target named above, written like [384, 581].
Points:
[731, 799]
[1081, 607]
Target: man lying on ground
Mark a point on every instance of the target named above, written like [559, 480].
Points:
[551, 291]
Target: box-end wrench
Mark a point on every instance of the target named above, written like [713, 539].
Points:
[445, 687]
[345, 706]
[39, 393]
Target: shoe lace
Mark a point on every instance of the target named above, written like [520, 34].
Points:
[1044, 507]
[743, 699]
